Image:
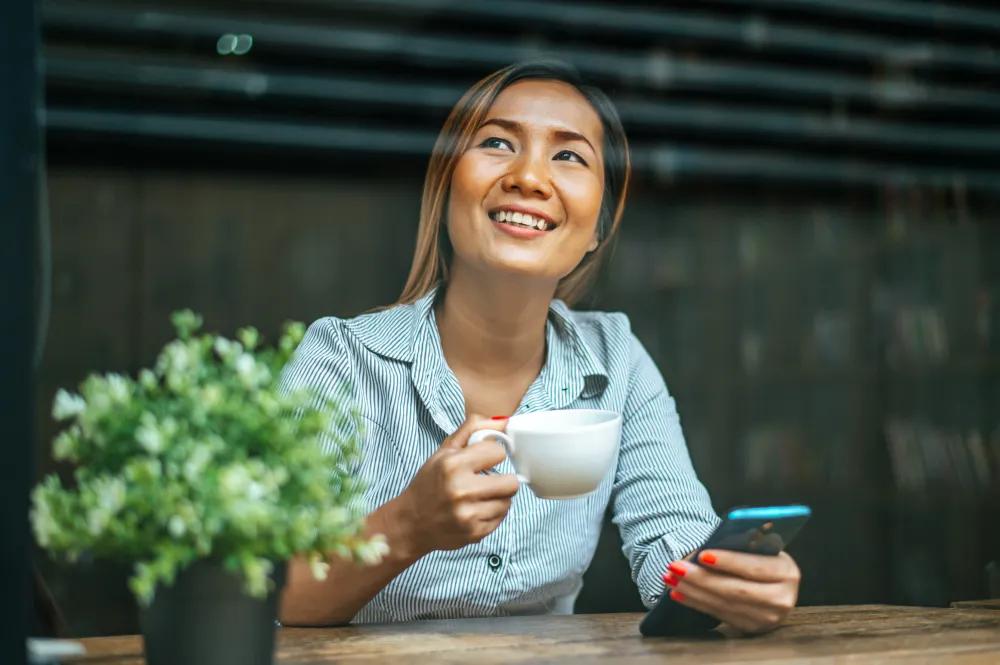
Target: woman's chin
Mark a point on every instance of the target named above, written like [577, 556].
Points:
[523, 268]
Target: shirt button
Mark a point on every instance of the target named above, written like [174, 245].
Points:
[494, 562]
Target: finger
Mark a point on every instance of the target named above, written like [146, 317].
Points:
[493, 510]
[732, 589]
[481, 456]
[496, 486]
[489, 526]
[473, 422]
[757, 567]
[460, 437]
[736, 614]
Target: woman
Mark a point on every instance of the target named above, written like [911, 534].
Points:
[523, 196]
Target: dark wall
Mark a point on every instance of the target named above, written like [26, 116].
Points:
[783, 323]
[19, 179]
[810, 251]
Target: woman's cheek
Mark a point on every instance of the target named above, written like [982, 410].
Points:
[582, 195]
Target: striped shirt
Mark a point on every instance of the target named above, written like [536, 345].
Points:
[533, 563]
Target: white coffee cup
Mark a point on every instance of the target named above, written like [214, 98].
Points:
[559, 454]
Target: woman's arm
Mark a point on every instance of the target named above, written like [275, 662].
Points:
[660, 507]
[348, 586]
[448, 505]
[664, 514]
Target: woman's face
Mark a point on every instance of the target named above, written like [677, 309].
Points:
[525, 196]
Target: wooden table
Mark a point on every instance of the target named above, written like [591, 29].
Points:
[992, 604]
[855, 634]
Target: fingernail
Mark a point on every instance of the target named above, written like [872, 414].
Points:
[670, 580]
[499, 418]
[677, 595]
[677, 569]
[707, 558]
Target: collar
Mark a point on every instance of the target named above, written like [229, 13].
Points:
[394, 332]
[408, 333]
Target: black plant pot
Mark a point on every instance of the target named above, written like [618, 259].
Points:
[206, 618]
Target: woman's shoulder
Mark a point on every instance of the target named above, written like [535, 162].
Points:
[605, 327]
[385, 331]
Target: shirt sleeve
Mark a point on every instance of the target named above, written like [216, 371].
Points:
[321, 365]
[660, 507]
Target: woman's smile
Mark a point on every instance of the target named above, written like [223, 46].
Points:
[535, 167]
[521, 222]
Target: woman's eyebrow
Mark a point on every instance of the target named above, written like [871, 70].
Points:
[562, 134]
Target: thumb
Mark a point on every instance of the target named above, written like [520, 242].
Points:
[472, 423]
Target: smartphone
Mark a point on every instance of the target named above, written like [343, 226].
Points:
[765, 530]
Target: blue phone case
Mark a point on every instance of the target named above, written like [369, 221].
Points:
[758, 530]
[762, 530]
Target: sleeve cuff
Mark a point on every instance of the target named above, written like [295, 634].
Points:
[668, 548]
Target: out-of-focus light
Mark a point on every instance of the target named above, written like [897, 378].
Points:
[243, 44]
[226, 44]
[230, 44]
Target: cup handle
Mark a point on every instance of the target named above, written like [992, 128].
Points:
[508, 444]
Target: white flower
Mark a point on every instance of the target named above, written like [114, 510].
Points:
[110, 494]
[176, 526]
[319, 567]
[226, 348]
[97, 519]
[147, 379]
[196, 463]
[149, 436]
[173, 363]
[257, 570]
[99, 402]
[118, 388]
[256, 491]
[64, 445]
[234, 480]
[42, 520]
[211, 396]
[373, 551]
[180, 357]
[67, 405]
[245, 367]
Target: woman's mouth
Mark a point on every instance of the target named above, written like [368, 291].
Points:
[521, 220]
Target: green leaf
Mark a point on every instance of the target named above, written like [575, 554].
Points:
[206, 455]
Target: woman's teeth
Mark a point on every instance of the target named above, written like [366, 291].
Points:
[521, 219]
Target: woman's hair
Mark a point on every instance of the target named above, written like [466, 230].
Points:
[432, 257]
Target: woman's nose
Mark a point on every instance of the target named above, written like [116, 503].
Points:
[529, 176]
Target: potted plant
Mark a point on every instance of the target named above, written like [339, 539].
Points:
[206, 477]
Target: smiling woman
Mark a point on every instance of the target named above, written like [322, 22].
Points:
[533, 121]
[523, 196]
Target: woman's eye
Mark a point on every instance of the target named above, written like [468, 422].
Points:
[571, 156]
[494, 142]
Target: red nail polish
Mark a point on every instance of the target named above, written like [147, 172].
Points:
[499, 418]
[677, 595]
[677, 569]
[708, 558]
[670, 580]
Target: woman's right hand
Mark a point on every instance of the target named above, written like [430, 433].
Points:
[449, 503]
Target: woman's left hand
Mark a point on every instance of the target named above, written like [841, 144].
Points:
[753, 593]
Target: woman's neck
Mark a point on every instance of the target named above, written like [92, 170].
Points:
[493, 326]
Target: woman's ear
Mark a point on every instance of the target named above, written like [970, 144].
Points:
[593, 243]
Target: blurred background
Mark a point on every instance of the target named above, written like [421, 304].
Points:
[811, 249]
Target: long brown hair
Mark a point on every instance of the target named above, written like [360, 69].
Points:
[432, 256]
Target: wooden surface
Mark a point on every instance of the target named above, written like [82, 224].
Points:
[867, 634]
[989, 604]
